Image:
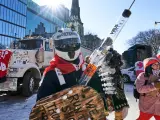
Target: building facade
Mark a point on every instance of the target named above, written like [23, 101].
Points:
[61, 12]
[75, 18]
[12, 20]
[19, 18]
[41, 20]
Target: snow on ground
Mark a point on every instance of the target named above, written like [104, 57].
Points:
[18, 108]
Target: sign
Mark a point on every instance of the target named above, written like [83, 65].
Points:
[90, 70]
[76, 103]
[5, 56]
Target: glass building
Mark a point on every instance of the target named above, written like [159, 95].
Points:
[41, 20]
[12, 20]
[19, 18]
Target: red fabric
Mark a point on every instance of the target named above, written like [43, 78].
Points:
[5, 56]
[138, 72]
[146, 116]
[149, 61]
[64, 66]
[139, 67]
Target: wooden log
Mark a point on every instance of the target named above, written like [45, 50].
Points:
[75, 103]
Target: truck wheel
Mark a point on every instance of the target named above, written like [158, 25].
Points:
[28, 84]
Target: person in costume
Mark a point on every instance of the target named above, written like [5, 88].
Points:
[113, 86]
[67, 67]
[148, 85]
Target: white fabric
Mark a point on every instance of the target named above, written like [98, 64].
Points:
[137, 67]
[60, 76]
[156, 72]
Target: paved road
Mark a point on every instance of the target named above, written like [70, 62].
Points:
[18, 108]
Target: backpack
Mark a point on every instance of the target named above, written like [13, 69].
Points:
[136, 94]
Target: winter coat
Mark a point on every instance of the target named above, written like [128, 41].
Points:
[149, 101]
[51, 85]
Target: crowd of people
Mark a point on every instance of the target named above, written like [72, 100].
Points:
[68, 65]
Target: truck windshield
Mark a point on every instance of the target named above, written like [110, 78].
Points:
[30, 44]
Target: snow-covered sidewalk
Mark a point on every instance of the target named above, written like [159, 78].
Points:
[16, 108]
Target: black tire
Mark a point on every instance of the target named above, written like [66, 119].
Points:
[126, 78]
[28, 84]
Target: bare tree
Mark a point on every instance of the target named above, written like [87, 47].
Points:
[150, 37]
[91, 41]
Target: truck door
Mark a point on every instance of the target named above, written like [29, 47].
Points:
[48, 54]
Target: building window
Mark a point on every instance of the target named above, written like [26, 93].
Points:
[2, 2]
[5, 2]
[15, 18]
[18, 16]
[4, 13]
[7, 29]
[1, 26]
[0, 12]
[2, 40]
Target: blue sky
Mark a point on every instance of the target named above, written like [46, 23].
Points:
[99, 16]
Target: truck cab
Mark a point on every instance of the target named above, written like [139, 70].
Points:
[29, 57]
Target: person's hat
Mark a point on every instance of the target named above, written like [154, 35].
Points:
[149, 61]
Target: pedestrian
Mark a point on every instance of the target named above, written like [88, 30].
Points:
[148, 85]
[67, 67]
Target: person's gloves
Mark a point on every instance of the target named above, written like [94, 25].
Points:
[110, 72]
[115, 60]
[153, 78]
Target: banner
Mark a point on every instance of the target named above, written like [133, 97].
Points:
[5, 56]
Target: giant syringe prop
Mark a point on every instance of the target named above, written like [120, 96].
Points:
[99, 54]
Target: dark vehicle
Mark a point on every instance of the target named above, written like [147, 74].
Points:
[130, 57]
[136, 53]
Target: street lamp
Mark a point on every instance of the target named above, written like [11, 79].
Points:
[156, 23]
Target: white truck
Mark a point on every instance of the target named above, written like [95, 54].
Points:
[28, 59]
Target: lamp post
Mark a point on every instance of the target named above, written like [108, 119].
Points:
[156, 30]
[156, 23]
[132, 4]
